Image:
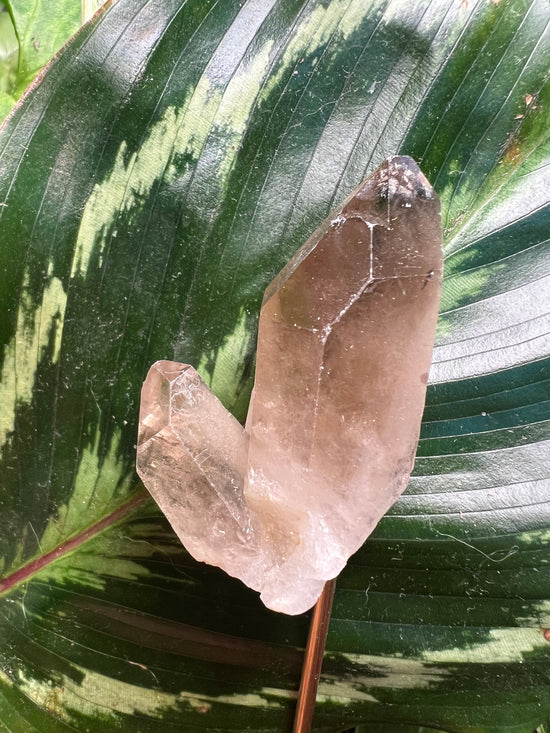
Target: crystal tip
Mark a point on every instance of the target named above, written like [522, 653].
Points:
[399, 177]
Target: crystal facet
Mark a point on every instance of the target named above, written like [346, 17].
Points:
[344, 348]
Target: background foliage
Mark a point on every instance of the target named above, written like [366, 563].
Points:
[31, 32]
[166, 166]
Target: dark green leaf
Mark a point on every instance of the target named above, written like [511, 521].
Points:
[168, 164]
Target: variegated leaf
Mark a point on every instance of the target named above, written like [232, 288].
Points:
[168, 163]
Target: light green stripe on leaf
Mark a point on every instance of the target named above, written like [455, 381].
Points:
[96, 692]
[230, 360]
[97, 480]
[339, 17]
[39, 327]
[395, 673]
[502, 646]
[132, 176]
[235, 108]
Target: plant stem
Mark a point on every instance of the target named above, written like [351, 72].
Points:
[313, 659]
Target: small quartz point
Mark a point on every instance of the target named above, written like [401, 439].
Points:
[344, 348]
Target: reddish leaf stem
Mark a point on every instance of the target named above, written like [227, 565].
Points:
[313, 659]
[33, 567]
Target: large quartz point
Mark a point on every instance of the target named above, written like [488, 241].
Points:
[344, 348]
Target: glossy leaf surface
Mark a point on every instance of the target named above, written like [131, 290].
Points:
[166, 167]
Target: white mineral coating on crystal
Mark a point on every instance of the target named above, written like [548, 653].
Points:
[344, 349]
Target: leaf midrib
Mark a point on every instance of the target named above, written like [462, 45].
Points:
[38, 563]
